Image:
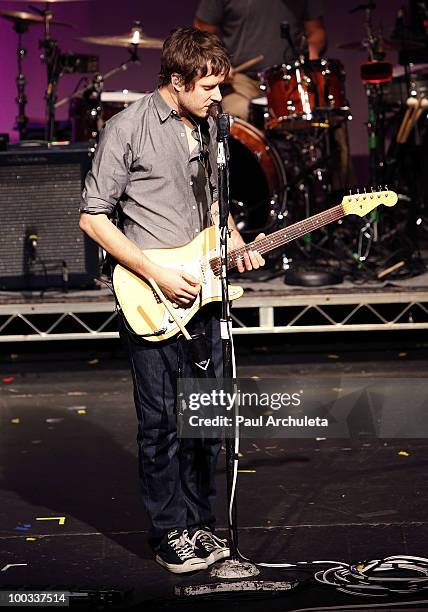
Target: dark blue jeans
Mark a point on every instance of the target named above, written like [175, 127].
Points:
[177, 476]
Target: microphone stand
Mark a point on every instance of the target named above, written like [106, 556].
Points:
[237, 568]
[233, 567]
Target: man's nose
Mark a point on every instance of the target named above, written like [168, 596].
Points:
[216, 95]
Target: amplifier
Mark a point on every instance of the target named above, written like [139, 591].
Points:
[41, 245]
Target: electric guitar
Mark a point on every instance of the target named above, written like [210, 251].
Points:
[148, 317]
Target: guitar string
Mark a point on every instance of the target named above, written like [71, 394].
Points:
[285, 235]
[281, 236]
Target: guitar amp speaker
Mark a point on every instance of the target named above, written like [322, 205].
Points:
[41, 245]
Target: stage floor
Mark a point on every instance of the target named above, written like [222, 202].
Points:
[68, 450]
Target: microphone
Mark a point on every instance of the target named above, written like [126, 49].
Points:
[215, 111]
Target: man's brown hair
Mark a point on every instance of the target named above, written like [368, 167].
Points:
[187, 52]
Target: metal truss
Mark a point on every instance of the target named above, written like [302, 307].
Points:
[271, 314]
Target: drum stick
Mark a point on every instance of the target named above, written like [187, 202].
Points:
[396, 266]
[423, 105]
[412, 104]
[170, 309]
[248, 64]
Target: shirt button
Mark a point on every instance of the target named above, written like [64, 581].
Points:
[181, 133]
[191, 183]
[194, 207]
[196, 231]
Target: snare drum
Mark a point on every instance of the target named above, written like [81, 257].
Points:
[88, 116]
[305, 92]
[258, 113]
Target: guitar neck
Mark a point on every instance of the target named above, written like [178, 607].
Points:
[281, 237]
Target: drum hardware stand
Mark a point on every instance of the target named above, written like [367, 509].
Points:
[51, 57]
[20, 28]
[373, 74]
[309, 273]
[95, 86]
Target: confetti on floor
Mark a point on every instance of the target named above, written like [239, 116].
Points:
[93, 361]
[15, 421]
[404, 454]
[332, 356]
[60, 519]
[8, 379]
[24, 527]
[6, 567]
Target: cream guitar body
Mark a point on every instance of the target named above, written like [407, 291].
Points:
[148, 316]
[142, 309]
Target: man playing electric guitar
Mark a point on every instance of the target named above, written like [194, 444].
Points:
[156, 161]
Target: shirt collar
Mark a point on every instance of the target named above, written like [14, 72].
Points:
[163, 109]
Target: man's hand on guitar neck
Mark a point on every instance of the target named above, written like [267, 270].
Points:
[252, 260]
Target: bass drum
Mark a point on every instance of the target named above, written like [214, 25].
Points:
[257, 180]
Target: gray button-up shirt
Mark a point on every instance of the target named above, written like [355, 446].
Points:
[143, 165]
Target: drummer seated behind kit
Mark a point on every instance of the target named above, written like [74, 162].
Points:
[252, 27]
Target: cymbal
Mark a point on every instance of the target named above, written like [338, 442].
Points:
[125, 40]
[29, 18]
[385, 44]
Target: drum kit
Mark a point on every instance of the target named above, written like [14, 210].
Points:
[285, 158]
[58, 63]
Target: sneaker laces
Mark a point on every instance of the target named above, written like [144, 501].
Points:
[182, 545]
[208, 539]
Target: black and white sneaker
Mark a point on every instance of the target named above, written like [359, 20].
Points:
[176, 553]
[209, 547]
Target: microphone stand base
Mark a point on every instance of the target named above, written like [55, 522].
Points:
[248, 586]
[234, 568]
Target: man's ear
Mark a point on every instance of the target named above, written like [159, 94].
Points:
[176, 81]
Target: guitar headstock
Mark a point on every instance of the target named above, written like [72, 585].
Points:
[362, 203]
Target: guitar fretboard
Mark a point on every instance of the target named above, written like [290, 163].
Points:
[280, 237]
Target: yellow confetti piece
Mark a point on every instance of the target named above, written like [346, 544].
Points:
[255, 377]
[60, 519]
[332, 356]
[81, 411]
[402, 354]
[30, 539]
[404, 454]
[13, 356]
[247, 471]
[16, 421]
[93, 361]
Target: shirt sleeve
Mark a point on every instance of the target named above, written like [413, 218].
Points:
[314, 10]
[108, 177]
[210, 11]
